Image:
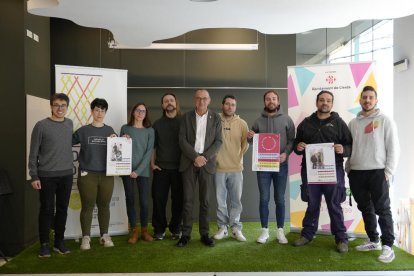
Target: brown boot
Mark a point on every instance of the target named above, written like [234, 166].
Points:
[145, 235]
[134, 236]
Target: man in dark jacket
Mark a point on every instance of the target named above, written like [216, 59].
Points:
[200, 139]
[324, 126]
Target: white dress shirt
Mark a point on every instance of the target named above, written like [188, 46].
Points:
[201, 122]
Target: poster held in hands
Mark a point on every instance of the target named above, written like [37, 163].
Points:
[118, 156]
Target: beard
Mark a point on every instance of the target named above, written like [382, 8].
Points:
[271, 110]
[324, 110]
[170, 108]
[368, 109]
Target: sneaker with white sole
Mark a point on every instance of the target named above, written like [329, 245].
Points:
[221, 233]
[281, 236]
[106, 241]
[44, 251]
[369, 246]
[387, 255]
[60, 248]
[85, 245]
[238, 235]
[264, 236]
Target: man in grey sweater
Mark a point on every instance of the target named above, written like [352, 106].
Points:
[272, 120]
[51, 171]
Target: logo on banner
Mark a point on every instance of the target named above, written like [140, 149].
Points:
[330, 77]
[80, 90]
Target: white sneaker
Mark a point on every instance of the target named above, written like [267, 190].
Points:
[281, 236]
[369, 246]
[85, 245]
[264, 236]
[106, 241]
[238, 235]
[387, 254]
[221, 233]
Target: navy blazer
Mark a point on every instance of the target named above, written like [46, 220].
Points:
[212, 142]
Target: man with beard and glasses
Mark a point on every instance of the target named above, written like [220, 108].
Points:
[373, 162]
[272, 120]
[165, 163]
[324, 126]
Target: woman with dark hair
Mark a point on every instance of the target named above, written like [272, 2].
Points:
[142, 134]
[95, 187]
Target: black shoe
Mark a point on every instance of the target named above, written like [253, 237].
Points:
[183, 241]
[207, 240]
[176, 236]
[61, 248]
[159, 236]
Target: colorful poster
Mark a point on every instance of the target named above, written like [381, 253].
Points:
[83, 85]
[345, 81]
[266, 152]
[118, 156]
[320, 163]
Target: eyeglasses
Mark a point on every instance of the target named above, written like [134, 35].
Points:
[202, 99]
[57, 106]
[140, 111]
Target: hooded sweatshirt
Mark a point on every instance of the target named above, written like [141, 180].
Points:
[333, 129]
[375, 143]
[230, 155]
[278, 123]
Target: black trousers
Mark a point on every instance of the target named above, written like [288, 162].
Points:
[54, 189]
[334, 195]
[191, 177]
[163, 181]
[371, 192]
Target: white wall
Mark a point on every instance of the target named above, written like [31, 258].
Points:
[403, 107]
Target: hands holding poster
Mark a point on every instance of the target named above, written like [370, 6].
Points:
[320, 163]
[266, 152]
[118, 156]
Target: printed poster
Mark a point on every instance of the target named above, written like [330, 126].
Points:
[266, 152]
[320, 163]
[118, 156]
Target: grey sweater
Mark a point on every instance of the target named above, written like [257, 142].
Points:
[280, 124]
[142, 146]
[93, 141]
[51, 149]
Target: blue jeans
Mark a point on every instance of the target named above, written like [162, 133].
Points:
[229, 185]
[264, 180]
[143, 192]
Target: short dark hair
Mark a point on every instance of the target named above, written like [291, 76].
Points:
[277, 95]
[100, 103]
[369, 88]
[59, 96]
[271, 91]
[324, 92]
[228, 97]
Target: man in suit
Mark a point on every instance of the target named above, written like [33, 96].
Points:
[200, 139]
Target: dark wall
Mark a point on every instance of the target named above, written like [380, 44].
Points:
[151, 72]
[25, 68]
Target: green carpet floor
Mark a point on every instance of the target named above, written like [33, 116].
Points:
[228, 255]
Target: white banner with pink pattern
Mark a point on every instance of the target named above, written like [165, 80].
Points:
[345, 81]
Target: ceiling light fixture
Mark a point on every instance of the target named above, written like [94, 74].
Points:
[189, 46]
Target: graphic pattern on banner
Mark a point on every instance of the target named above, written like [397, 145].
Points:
[80, 90]
[83, 85]
[345, 81]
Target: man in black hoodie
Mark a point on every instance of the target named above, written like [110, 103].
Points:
[324, 126]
